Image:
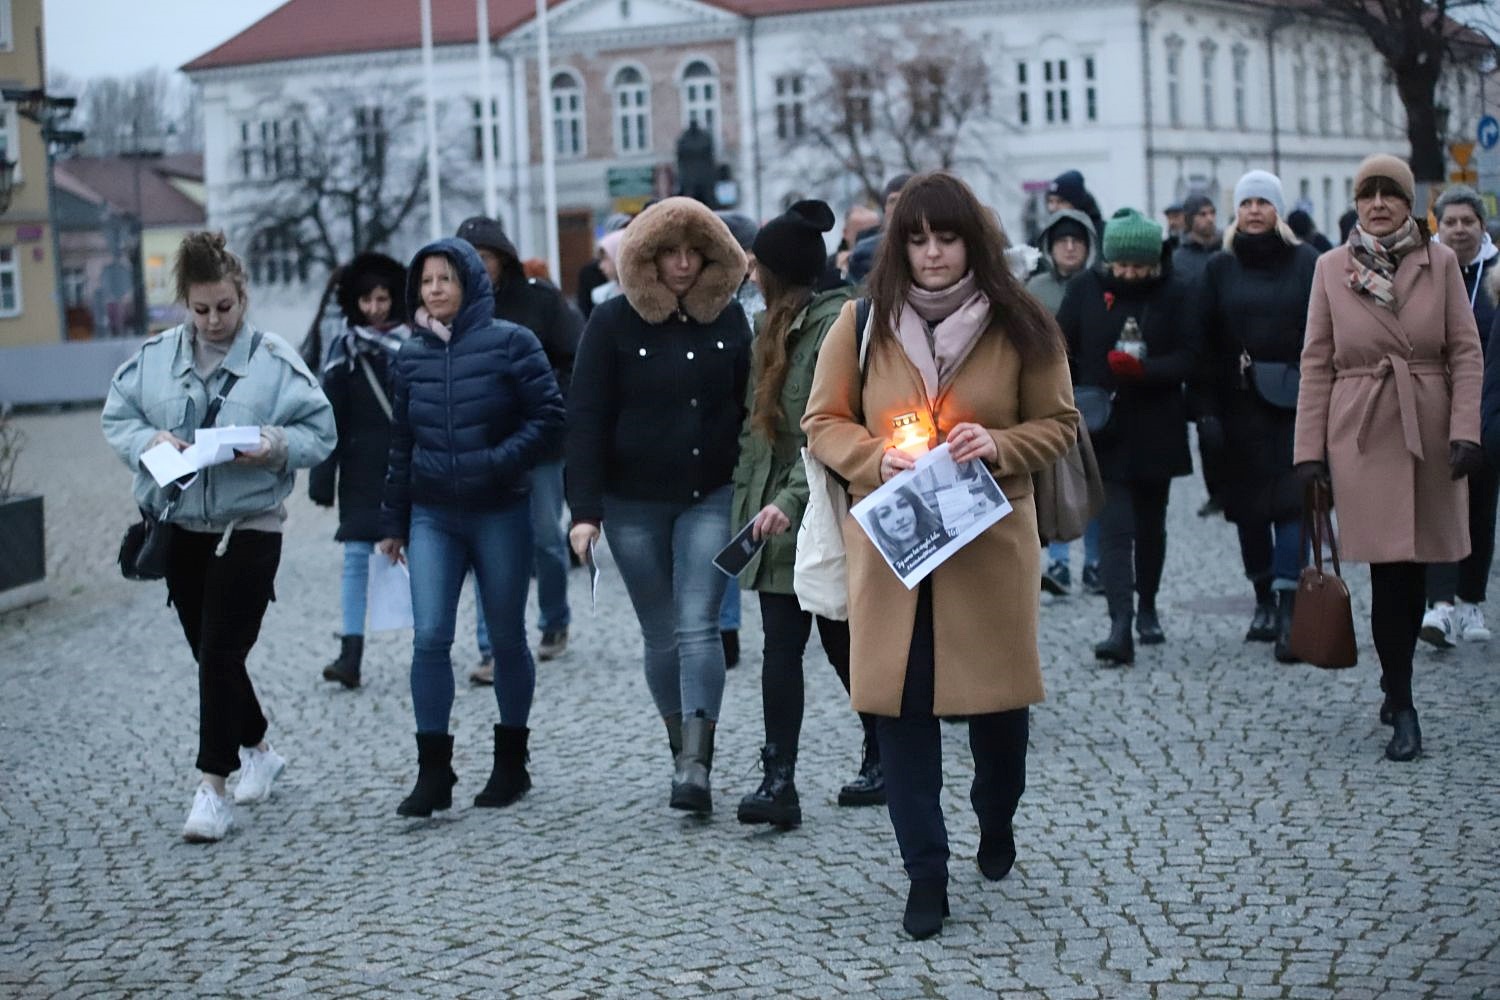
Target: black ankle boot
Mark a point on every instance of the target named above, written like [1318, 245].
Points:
[508, 778]
[1148, 625]
[1262, 623]
[869, 788]
[1119, 649]
[1406, 741]
[690, 788]
[926, 906]
[435, 777]
[775, 801]
[1286, 601]
[345, 669]
[731, 640]
[997, 854]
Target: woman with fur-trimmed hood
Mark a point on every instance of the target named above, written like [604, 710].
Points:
[357, 380]
[653, 426]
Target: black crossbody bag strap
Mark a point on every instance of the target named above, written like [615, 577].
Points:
[214, 406]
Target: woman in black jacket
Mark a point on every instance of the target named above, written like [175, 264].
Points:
[1254, 313]
[1130, 334]
[476, 407]
[357, 381]
[654, 414]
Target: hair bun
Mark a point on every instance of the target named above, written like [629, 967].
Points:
[816, 213]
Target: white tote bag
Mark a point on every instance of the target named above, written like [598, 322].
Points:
[821, 573]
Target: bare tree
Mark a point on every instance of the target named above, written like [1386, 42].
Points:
[892, 105]
[1418, 40]
[333, 174]
[127, 114]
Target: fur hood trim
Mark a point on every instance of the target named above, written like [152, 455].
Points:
[667, 223]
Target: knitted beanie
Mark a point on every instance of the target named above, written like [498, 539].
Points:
[1393, 169]
[1069, 186]
[1131, 238]
[791, 246]
[1193, 204]
[741, 227]
[1264, 185]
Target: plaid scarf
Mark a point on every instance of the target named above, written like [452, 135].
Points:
[373, 339]
[1374, 260]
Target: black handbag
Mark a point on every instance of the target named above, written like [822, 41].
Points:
[147, 546]
[1096, 404]
[1276, 382]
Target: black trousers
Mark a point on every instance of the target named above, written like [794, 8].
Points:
[786, 628]
[1397, 602]
[1133, 542]
[1466, 580]
[911, 751]
[220, 601]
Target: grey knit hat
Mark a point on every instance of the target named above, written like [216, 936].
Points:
[1264, 185]
[1459, 194]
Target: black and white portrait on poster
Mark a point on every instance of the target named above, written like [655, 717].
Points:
[919, 518]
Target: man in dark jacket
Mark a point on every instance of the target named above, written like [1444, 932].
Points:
[1200, 240]
[540, 308]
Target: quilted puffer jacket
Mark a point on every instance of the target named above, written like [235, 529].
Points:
[473, 415]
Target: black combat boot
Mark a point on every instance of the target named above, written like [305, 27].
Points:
[775, 801]
[345, 669]
[1286, 602]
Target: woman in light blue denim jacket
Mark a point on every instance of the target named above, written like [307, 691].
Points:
[226, 524]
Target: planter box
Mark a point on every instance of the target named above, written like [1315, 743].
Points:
[23, 552]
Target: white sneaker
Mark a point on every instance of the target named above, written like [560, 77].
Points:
[1437, 627]
[211, 818]
[1468, 622]
[258, 768]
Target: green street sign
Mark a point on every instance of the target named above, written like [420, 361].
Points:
[630, 182]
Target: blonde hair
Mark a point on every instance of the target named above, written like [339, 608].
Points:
[1282, 229]
[204, 259]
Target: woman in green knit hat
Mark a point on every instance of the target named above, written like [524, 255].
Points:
[1132, 341]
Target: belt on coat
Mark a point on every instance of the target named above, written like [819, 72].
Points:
[1400, 369]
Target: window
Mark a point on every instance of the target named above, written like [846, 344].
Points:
[790, 123]
[75, 283]
[1327, 204]
[369, 136]
[1090, 92]
[857, 87]
[1299, 94]
[1346, 97]
[1388, 104]
[1241, 57]
[476, 130]
[925, 86]
[1023, 95]
[276, 258]
[632, 100]
[1367, 89]
[10, 139]
[10, 282]
[1325, 97]
[270, 149]
[1174, 81]
[1055, 90]
[700, 97]
[567, 116]
[1209, 51]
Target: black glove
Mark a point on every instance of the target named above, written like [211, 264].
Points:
[1308, 473]
[1466, 457]
[1211, 433]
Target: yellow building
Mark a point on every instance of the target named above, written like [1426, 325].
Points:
[29, 311]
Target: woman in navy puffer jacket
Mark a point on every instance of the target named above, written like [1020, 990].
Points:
[476, 407]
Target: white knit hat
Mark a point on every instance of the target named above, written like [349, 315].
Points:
[1261, 184]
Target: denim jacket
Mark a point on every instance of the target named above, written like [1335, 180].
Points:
[158, 390]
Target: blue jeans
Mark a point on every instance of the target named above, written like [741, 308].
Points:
[1061, 551]
[444, 544]
[729, 607]
[665, 552]
[550, 549]
[356, 586]
[1273, 550]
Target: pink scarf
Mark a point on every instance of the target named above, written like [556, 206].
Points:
[426, 322]
[939, 329]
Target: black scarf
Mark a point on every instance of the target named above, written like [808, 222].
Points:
[1262, 251]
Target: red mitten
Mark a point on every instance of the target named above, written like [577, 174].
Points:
[1125, 366]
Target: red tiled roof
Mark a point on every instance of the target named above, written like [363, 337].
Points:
[765, 8]
[302, 29]
[113, 180]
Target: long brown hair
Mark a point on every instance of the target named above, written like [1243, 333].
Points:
[945, 204]
[784, 302]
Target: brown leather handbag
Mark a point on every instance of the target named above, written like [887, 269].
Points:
[1323, 619]
[1069, 493]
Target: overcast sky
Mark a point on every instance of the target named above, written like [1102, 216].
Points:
[88, 38]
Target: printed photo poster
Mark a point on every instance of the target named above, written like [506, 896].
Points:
[919, 518]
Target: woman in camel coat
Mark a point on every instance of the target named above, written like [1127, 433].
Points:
[1389, 411]
[955, 339]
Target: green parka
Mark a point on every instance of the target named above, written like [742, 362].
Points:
[770, 471]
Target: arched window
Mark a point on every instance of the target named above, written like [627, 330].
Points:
[632, 107]
[700, 97]
[567, 115]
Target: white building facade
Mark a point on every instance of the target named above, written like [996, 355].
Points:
[1150, 99]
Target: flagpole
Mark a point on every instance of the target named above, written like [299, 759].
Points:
[486, 110]
[549, 151]
[434, 197]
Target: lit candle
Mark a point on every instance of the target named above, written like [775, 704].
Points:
[909, 434]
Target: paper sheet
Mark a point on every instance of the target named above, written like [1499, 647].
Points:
[389, 599]
[593, 566]
[211, 446]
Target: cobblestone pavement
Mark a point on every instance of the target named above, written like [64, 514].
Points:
[1207, 824]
